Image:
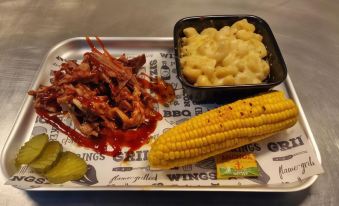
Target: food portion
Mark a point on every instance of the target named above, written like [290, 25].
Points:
[47, 159]
[109, 102]
[31, 149]
[231, 56]
[223, 129]
[69, 167]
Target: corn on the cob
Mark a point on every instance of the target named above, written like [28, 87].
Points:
[222, 129]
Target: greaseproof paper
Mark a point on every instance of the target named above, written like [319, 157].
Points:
[286, 157]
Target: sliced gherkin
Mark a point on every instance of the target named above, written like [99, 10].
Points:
[48, 157]
[69, 167]
[31, 149]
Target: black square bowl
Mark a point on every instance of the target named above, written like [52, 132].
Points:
[221, 94]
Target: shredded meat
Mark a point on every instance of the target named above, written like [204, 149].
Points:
[100, 92]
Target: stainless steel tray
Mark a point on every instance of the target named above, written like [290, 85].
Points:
[74, 49]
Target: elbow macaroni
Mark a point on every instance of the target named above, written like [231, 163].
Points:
[233, 55]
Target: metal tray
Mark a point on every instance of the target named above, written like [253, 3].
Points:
[73, 49]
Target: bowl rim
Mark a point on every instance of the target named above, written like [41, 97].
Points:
[262, 85]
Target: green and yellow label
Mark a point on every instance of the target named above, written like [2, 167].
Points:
[236, 164]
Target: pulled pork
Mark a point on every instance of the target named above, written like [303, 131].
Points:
[101, 92]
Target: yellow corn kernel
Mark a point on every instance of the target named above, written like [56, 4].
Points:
[171, 154]
[190, 144]
[204, 141]
[184, 145]
[178, 146]
[166, 156]
[187, 154]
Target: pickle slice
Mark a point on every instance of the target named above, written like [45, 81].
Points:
[31, 149]
[48, 156]
[69, 167]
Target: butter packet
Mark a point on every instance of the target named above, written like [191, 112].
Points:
[236, 164]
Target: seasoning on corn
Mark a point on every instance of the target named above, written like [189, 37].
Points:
[222, 129]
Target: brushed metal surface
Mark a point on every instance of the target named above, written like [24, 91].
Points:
[307, 32]
[74, 48]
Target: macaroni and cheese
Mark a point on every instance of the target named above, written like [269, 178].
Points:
[233, 55]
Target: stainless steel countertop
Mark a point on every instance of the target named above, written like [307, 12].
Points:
[306, 31]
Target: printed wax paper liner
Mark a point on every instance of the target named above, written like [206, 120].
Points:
[286, 157]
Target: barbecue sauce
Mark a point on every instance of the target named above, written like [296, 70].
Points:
[110, 141]
[115, 138]
[164, 91]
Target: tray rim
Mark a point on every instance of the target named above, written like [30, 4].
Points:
[27, 100]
